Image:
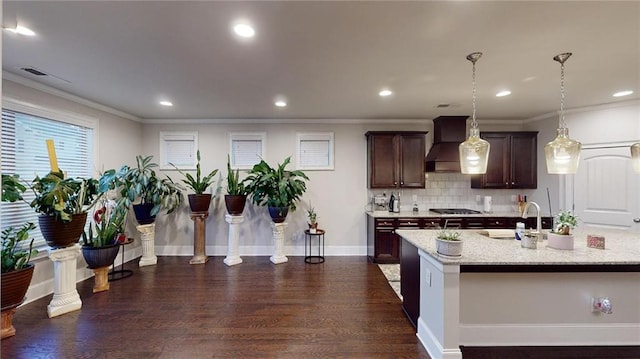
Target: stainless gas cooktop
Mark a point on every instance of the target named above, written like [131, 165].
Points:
[454, 211]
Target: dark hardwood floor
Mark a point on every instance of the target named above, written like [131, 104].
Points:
[343, 308]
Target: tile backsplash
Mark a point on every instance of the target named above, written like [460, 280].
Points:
[453, 190]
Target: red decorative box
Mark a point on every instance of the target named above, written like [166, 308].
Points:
[594, 241]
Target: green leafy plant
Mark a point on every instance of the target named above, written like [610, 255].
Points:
[197, 184]
[312, 216]
[108, 225]
[564, 222]
[448, 235]
[235, 187]
[276, 187]
[63, 197]
[12, 188]
[14, 255]
[141, 183]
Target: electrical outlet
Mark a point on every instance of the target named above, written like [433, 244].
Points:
[414, 198]
[514, 198]
[478, 198]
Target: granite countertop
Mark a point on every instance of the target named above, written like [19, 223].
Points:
[621, 247]
[410, 214]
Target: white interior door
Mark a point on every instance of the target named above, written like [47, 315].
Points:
[606, 190]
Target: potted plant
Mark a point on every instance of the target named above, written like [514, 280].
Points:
[16, 269]
[141, 184]
[199, 201]
[63, 203]
[449, 243]
[102, 243]
[236, 196]
[560, 237]
[277, 188]
[312, 216]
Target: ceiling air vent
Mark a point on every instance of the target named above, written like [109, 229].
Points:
[33, 71]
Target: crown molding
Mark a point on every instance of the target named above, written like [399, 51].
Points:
[298, 121]
[603, 106]
[65, 95]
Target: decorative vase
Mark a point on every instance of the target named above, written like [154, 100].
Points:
[14, 287]
[97, 257]
[313, 227]
[199, 202]
[278, 214]
[143, 213]
[560, 241]
[449, 248]
[235, 204]
[60, 234]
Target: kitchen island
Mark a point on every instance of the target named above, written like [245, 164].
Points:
[500, 294]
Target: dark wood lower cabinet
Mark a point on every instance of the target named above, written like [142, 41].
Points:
[410, 281]
[383, 244]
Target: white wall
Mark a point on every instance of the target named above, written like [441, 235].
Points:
[119, 141]
[617, 123]
[338, 196]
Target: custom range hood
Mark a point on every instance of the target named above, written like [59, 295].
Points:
[448, 133]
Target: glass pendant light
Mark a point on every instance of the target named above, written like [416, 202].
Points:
[474, 152]
[563, 153]
[635, 156]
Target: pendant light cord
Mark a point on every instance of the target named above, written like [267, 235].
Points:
[561, 58]
[473, 58]
[562, 122]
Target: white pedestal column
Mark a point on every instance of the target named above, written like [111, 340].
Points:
[278, 238]
[147, 237]
[233, 252]
[65, 296]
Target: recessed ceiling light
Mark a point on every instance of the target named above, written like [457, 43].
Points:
[166, 103]
[385, 93]
[244, 30]
[622, 93]
[21, 30]
[503, 93]
[280, 103]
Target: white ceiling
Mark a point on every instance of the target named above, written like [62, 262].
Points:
[329, 59]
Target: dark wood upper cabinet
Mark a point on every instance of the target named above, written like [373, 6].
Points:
[396, 159]
[512, 161]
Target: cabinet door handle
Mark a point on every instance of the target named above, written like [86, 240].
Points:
[636, 220]
[513, 183]
[402, 182]
[395, 183]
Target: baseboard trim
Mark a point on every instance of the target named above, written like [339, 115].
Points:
[550, 334]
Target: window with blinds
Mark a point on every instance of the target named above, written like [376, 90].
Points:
[24, 152]
[315, 151]
[246, 149]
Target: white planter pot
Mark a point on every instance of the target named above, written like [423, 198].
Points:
[449, 248]
[560, 241]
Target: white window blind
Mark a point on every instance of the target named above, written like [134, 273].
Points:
[315, 151]
[178, 148]
[246, 149]
[24, 152]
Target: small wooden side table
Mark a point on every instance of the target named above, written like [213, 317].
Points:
[308, 238]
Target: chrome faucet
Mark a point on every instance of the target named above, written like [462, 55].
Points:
[538, 217]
